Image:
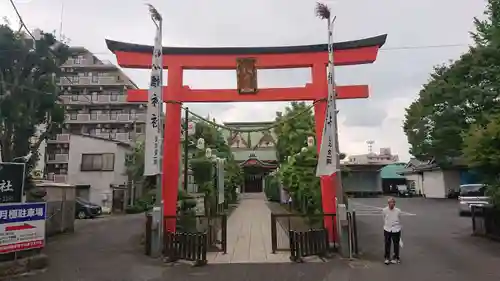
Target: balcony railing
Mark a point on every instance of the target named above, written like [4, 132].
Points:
[88, 81]
[87, 63]
[96, 99]
[105, 118]
[59, 138]
[123, 137]
[58, 158]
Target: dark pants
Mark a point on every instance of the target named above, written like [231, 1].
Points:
[394, 237]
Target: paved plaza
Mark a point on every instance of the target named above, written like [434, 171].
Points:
[438, 246]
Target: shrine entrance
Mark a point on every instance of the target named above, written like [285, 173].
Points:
[246, 61]
[254, 172]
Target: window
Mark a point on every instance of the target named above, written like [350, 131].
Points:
[114, 96]
[98, 162]
[140, 128]
[95, 78]
[73, 116]
[74, 97]
[75, 79]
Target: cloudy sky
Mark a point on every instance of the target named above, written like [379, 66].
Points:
[421, 34]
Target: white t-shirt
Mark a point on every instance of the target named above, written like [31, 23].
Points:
[392, 222]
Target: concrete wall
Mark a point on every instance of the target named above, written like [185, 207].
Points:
[60, 200]
[100, 181]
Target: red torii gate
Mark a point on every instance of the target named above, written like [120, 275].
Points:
[356, 52]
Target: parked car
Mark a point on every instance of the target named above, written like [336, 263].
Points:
[404, 191]
[85, 209]
[471, 195]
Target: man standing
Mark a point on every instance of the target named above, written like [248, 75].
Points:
[392, 231]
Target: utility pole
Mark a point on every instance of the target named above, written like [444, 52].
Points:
[186, 147]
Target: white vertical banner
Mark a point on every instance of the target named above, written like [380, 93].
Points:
[327, 158]
[152, 148]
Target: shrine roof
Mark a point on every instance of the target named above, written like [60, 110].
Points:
[117, 46]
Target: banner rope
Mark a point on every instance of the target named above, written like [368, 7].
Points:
[262, 129]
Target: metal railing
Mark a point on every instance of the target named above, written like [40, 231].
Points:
[353, 233]
[103, 117]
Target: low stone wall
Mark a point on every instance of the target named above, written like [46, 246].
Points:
[23, 265]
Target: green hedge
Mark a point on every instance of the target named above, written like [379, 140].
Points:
[272, 188]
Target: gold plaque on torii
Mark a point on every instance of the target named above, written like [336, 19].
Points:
[246, 73]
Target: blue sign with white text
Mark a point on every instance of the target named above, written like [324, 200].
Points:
[22, 212]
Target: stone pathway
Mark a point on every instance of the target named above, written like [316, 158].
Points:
[249, 234]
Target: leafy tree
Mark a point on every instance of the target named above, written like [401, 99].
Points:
[482, 151]
[202, 167]
[459, 94]
[292, 136]
[487, 29]
[299, 174]
[134, 165]
[28, 92]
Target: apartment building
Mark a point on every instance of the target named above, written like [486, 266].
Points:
[384, 157]
[94, 96]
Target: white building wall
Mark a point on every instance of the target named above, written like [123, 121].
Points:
[100, 181]
[433, 184]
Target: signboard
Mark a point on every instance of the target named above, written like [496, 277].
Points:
[22, 227]
[11, 182]
[246, 72]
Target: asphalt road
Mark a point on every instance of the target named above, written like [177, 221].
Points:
[437, 242]
[437, 246]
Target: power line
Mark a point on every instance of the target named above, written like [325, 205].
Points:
[21, 19]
